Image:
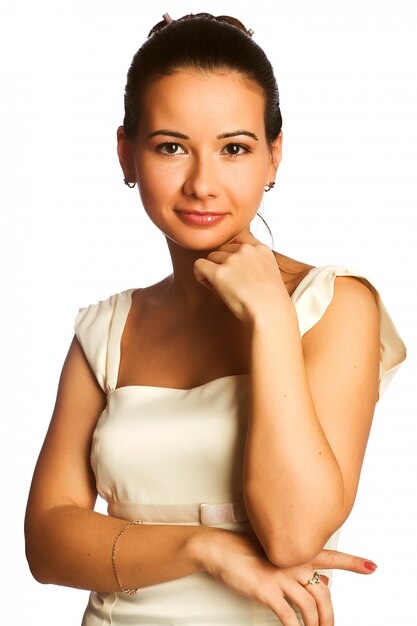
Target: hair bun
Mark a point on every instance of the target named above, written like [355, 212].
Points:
[233, 21]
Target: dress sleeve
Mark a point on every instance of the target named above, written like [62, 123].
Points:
[314, 294]
[92, 327]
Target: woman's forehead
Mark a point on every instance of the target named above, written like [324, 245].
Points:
[189, 97]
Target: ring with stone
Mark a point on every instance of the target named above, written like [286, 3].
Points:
[316, 579]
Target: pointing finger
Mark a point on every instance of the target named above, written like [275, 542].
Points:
[333, 559]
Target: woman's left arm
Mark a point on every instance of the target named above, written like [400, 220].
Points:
[312, 398]
[312, 401]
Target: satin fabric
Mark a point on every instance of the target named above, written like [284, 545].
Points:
[175, 456]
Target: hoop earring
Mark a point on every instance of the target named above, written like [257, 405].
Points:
[131, 185]
[269, 230]
[270, 186]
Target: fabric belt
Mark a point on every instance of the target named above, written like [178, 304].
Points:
[201, 513]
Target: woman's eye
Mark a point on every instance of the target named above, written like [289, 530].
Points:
[236, 147]
[171, 148]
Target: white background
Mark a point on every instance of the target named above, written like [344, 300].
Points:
[73, 233]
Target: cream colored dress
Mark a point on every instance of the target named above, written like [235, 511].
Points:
[175, 456]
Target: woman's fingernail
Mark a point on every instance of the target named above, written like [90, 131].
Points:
[325, 578]
[370, 565]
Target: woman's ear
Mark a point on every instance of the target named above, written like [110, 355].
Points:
[125, 153]
[276, 152]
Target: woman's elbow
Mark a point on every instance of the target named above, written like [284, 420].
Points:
[34, 553]
[35, 566]
[297, 552]
[301, 545]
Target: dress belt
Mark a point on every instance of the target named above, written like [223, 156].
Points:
[202, 513]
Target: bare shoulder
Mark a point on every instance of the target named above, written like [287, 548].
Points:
[352, 297]
[352, 312]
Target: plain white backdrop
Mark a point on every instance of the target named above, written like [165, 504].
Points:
[72, 233]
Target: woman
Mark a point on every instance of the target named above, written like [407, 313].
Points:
[225, 409]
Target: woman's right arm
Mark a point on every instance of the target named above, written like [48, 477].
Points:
[67, 542]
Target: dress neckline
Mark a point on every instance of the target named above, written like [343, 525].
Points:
[117, 337]
[228, 377]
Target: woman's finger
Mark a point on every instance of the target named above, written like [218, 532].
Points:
[247, 238]
[333, 559]
[283, 609]
[203, 269]
[298, 597]
[321, 594]
[218, 256]
[206, 283]
[230, 247]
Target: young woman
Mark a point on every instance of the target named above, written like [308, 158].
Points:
[223, 412]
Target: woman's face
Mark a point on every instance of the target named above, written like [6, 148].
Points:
[202, 169]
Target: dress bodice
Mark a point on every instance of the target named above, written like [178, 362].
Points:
[167, 455]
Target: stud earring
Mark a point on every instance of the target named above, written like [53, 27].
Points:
[270, 186]
[131, 185]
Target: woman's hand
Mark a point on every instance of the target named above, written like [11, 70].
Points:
[245, 274]
[238, 561]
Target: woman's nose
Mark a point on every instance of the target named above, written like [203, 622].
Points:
[202, 177]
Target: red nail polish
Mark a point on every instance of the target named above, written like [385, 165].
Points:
[369, 565]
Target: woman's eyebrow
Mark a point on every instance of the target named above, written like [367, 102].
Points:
[173, 133]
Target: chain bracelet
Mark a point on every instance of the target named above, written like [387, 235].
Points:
[130, 592]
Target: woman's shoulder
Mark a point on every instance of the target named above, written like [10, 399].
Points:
[96, 327]
[305, 277]
[312, 289]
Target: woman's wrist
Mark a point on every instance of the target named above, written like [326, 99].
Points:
[275, 315]
[203, 547]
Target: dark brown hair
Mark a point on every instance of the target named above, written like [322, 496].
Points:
[201, 42]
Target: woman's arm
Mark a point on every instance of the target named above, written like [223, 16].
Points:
[71, 546]
[67, 543]
[311, 406]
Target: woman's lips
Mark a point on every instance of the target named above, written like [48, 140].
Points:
[201, 219]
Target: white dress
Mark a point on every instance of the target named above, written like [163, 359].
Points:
[175, 456]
